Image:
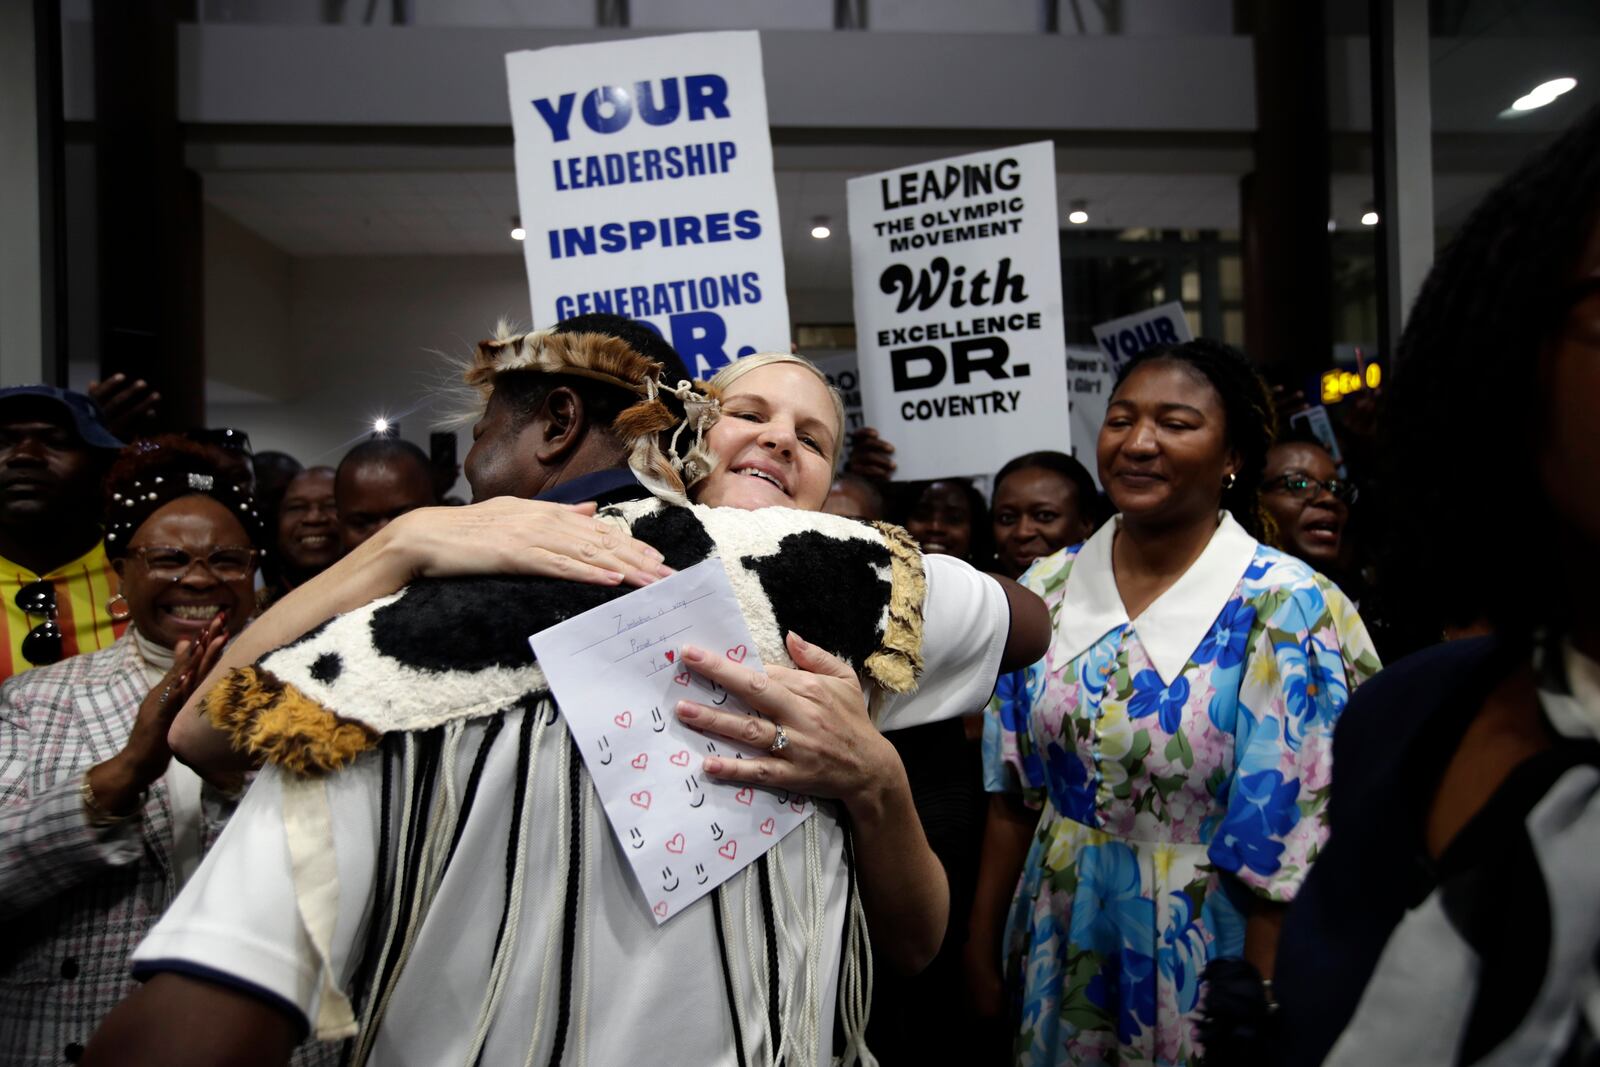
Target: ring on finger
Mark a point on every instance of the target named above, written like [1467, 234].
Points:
[780, 740]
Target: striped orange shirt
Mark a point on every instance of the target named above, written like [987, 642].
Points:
[82, 589]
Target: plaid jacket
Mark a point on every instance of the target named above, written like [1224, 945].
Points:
[74, 901]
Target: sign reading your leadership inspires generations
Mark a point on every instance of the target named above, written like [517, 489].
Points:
[958, 310]
[644, 174]
[1122, 339]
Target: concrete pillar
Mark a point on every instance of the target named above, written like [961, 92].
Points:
[22, 314]
[149, 211]
[1402, 141]
[1287, 260]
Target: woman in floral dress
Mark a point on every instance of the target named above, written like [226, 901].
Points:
[1181, 759]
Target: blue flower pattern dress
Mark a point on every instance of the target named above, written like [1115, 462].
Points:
[1155, 795]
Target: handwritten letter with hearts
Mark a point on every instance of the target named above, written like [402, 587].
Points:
[616, 677]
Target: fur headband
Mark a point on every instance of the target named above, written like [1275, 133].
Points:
[667, 466]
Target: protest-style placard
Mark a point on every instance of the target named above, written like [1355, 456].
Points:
[843, 373]
[958, 310]
[1089, 380]
[1122, 339]
[644, 175]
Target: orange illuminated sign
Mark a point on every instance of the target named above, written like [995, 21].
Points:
[1338, 384]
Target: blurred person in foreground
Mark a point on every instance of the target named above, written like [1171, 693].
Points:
[1175, 741]
[378, 481]
[55, 579]
[99, 828]
[1452, 917]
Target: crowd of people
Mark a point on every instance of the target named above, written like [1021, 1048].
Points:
[1220, 746]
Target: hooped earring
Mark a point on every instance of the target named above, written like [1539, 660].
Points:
[1230, 480]
[118, 613]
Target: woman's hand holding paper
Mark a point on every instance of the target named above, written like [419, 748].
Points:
[833, 750]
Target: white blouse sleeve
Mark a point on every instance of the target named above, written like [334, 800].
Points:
[965, 622]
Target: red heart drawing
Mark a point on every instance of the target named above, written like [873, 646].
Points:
[641, 799]
[675, 844]
[660, 909]
[729, 849]
[769, 826]
[745, 796]
[624, 720]
[641, 761]
[797, 805]
[737, 653]
[679, 759]
[681, 678]
[671, 655]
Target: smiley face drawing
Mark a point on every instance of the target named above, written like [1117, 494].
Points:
[700, 875]
[696, 796]
[669, 881]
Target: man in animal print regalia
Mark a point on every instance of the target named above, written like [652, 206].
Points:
[421, 867]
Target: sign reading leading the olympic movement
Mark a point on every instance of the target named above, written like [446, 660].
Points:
[958, 310]
[644, 174]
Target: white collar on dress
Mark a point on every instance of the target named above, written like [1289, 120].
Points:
[1175, 623]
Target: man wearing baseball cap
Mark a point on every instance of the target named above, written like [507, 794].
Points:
[58, 592]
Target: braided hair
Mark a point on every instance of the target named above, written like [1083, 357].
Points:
[1251, 423]
[1463, 411]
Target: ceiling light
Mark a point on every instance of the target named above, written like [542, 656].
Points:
[1333, 224]
[517, 232]
[819, 228]
[1544, 94]
[380, 426]
[1079, 213]
[1369, 216]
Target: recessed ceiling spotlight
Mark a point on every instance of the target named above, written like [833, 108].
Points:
[1369, 217]
[1543, 94]
[1333, 224]
[1079, 213]
[517, 232]
[820, 229]
[380, 426]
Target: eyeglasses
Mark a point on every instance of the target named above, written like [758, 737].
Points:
[227, 562]
[1306, 487]
[42, 645]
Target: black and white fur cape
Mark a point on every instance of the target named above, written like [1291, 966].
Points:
[397, 673]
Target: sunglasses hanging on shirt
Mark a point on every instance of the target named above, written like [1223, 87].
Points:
[42, 645]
